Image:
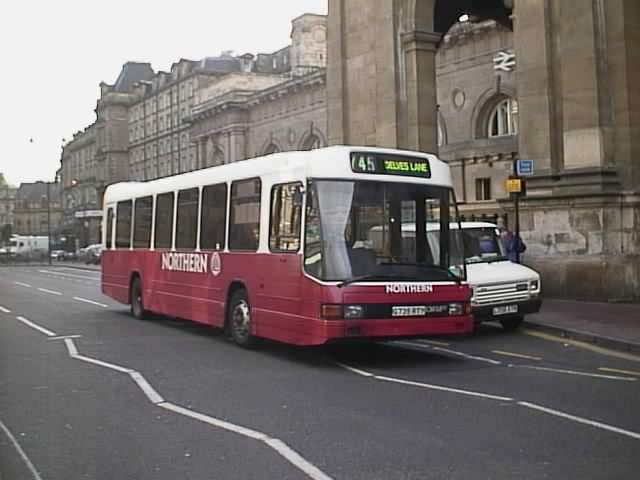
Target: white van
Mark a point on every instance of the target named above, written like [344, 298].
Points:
[503, 291]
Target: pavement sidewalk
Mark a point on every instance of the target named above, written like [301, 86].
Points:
[613, 325]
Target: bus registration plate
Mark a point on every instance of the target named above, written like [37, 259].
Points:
[505, 310]
[412, 311]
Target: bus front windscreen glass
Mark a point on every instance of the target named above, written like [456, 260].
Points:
[355, 231]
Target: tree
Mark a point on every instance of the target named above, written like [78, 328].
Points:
[3, 182]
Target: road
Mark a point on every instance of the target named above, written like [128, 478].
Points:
[87, 392]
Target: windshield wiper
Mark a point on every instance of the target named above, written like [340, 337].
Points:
[364, 278]
[440, 268]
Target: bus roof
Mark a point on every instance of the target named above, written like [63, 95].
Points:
[329, 162]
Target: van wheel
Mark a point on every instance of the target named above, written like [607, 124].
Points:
[239, 320]
[512, 323]
[137, 302]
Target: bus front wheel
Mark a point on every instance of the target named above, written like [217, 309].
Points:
[137, 302]
[239, 320]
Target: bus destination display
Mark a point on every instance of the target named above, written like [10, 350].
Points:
[381, 164]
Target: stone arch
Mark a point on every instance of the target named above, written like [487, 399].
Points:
[271, 146]
[483, 107]
[312, 139]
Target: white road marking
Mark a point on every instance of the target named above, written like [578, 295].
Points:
[516, 355]
[100, 363]
[70, 275]
[23, 284]
[91, 302]
[467, 356]
[20, 451]
[52, 292]
[148, 390]
[71, 347]
[64, 337]
[4, 310]
[277, 445]
[373, 376]
[444, 389]
[617, 370]
[447, 350]
[434, 342]
[574, 372]
[582, 420]
[29, 323]
[355, 370]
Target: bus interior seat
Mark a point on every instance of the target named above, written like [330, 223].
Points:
[363, 261]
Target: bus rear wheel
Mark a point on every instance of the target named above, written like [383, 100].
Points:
[137, 302]
[239, 320]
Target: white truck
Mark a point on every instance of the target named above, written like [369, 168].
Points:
[29, 247]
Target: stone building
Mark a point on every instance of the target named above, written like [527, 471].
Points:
[82, 215]
[577, 118]
[7, 208]
[35, 204]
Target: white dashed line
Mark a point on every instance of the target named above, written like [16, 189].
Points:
[574, 372]
[584, 421]
[51, 292]
[70, 275]
[91, 302]
[29, 323]
[357, 371]
[4, 310]
[20, 451]
[23, 284]
[71, 347]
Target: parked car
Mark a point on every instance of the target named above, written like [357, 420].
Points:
[57, 255]
[93, 254]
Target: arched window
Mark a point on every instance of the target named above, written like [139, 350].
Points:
[503, 119]
[312, 142]
[272, 148]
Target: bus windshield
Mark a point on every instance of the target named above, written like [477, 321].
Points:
[354, 231]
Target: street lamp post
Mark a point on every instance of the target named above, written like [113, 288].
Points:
[49, 221]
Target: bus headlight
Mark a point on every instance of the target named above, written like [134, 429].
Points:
[353, 311]
[535, 286]
[456, 309]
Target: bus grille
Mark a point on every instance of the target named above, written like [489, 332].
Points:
[501, 293]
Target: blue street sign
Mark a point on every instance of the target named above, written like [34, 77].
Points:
[524, 168]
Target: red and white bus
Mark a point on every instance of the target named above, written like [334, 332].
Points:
[298, 247]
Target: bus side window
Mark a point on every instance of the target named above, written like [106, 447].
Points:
[286, 216]
[164, 220]
[187, 221]
[109, 231]
[123, 224]
[142, 223]
[214, 217]
[244, 224]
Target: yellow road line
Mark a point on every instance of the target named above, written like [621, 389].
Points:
[516, 355]
[617, 370]
[433, 342]
[584, 345]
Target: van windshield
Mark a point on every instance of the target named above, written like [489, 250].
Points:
[480, 244]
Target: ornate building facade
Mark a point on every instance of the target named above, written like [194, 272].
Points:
[37, 204]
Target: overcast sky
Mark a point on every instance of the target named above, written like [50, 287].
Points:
[54, 54]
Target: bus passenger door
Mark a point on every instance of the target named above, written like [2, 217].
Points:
[281, 272]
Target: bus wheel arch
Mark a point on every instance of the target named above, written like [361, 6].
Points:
[238, 323]
[136, 298]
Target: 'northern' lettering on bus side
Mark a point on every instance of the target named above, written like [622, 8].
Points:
[185, 262]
